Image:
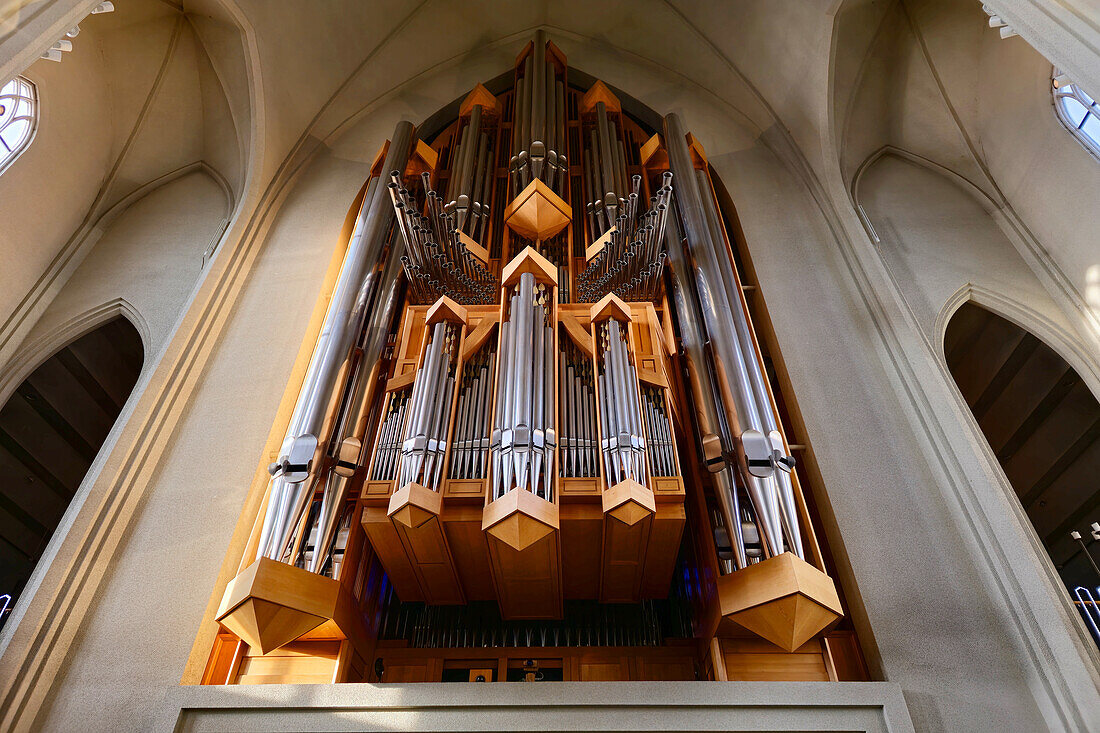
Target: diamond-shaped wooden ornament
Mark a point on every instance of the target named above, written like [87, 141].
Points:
[610, 306]
[271, 604]
[446, 309]
[597, 93]
[653, 154]
[629, 502]
[479, 96]
[529, 260]
[783, 599]
[413, 505]
[519, 519]
[537, 212]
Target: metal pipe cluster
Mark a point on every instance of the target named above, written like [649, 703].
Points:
[605, 174]
[425, 442]
[538, 124]
[524, 438]
[579, 440]
[662, 453]
[631, 263]
[471, 437]
[359, 310]
[471, 181]
[436, 261]
[389, 436]
[723, 357]
[623, 441]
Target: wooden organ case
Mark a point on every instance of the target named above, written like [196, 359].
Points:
[539, 435]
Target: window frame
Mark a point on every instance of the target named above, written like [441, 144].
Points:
[1072, 91]
[10, 155]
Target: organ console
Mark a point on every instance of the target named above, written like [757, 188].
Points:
[537, 416]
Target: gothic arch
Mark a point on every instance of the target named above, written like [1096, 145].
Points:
[54, 424]
[31, 355]
[1034, 418]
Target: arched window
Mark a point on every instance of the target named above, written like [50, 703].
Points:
[1043, 424]
[18, 118]
[51, 429]
[1078, 111]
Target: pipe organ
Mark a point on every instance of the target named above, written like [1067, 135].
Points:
[537, 404]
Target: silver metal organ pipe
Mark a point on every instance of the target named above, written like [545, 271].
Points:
[707, 406]
[294, 474]
[728, 358]
[783, 463]
[349, 435]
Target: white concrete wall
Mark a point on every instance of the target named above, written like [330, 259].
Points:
[937, 239]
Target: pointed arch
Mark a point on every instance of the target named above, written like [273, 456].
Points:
[53, 424]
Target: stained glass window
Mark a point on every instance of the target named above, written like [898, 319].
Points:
[18, 118]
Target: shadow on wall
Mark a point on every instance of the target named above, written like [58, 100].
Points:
[51, 429]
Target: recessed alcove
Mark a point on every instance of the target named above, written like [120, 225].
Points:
[51, 429]
[1042, 423]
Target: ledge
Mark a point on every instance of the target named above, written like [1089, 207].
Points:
[876, 707]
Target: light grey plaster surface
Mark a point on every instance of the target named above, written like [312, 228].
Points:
[875, 707]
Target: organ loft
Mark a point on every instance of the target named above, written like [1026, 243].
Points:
[540, 435]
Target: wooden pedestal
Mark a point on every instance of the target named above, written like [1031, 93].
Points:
[628, 508]
[271, 604]
[525, 555]
[783, 599]
[414, 511]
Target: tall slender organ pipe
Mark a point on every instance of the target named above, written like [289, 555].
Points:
[710, 418]
[294, 474]
[756, 381]
[729, 361]
[354, 422]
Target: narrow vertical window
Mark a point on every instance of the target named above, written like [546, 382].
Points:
[1078, 111]
[18, 118]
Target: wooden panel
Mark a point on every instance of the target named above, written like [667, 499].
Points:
[299, 662]
[471, 491]
[377, 492]
[776, 667]
[668, 488]
[387, 546]
[411, 672]
[604, 670]
[528, 583]
[462, 524]
[299, 665]
[842, 649]
[427, 549]
[580, 489]
[756, 659]
[623, 555]
[285, 679]
[656, 670]
[219, 668]
[581, 540]
[664, 549]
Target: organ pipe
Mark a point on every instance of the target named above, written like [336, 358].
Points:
[513, 401]
[734, 366]
[294, 474]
